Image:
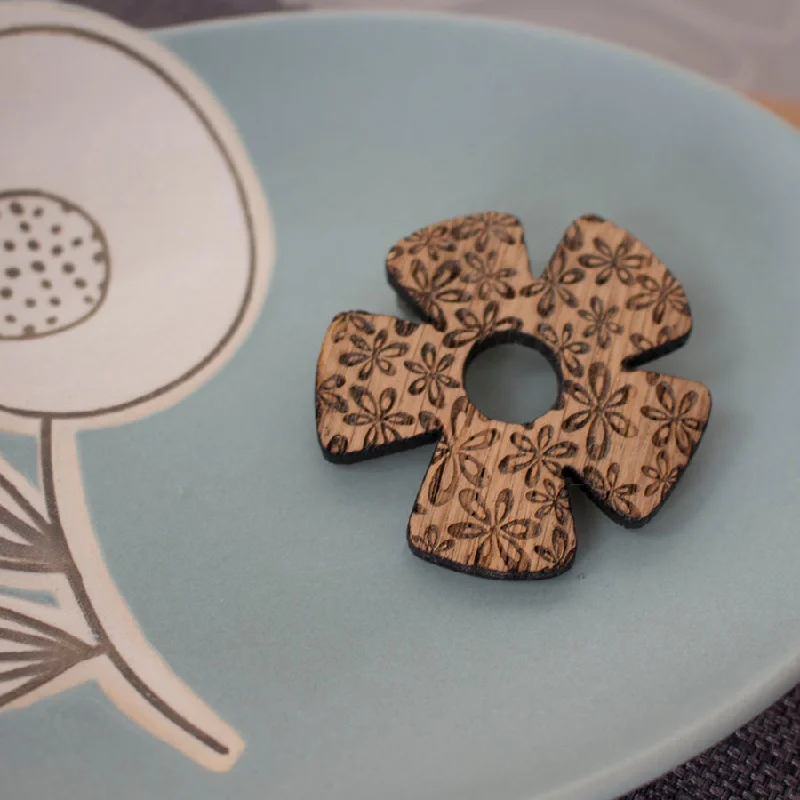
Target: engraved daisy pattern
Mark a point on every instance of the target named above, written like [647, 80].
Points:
[494, 501]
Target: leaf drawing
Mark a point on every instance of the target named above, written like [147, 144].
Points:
[35, 650]
[33, 653]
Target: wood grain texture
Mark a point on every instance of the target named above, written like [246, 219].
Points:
[494, 500]
[789, 110]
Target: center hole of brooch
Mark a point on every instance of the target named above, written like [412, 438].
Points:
[511, 381]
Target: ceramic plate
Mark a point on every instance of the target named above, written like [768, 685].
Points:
[196, 604]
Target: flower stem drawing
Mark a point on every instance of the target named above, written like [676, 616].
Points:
[36, 652]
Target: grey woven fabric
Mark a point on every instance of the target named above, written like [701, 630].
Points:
[761, 761]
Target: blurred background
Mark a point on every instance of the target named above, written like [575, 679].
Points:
[753, 45]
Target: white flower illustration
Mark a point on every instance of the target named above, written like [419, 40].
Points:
[135, 251]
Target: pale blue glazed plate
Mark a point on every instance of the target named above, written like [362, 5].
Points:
[280, 588]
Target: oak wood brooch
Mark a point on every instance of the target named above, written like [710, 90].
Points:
[493, 502]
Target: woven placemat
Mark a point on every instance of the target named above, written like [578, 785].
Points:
[761, 761]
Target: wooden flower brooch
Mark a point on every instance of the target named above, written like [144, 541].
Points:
[493, 502]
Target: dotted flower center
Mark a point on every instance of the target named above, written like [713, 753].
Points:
[54, 265]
